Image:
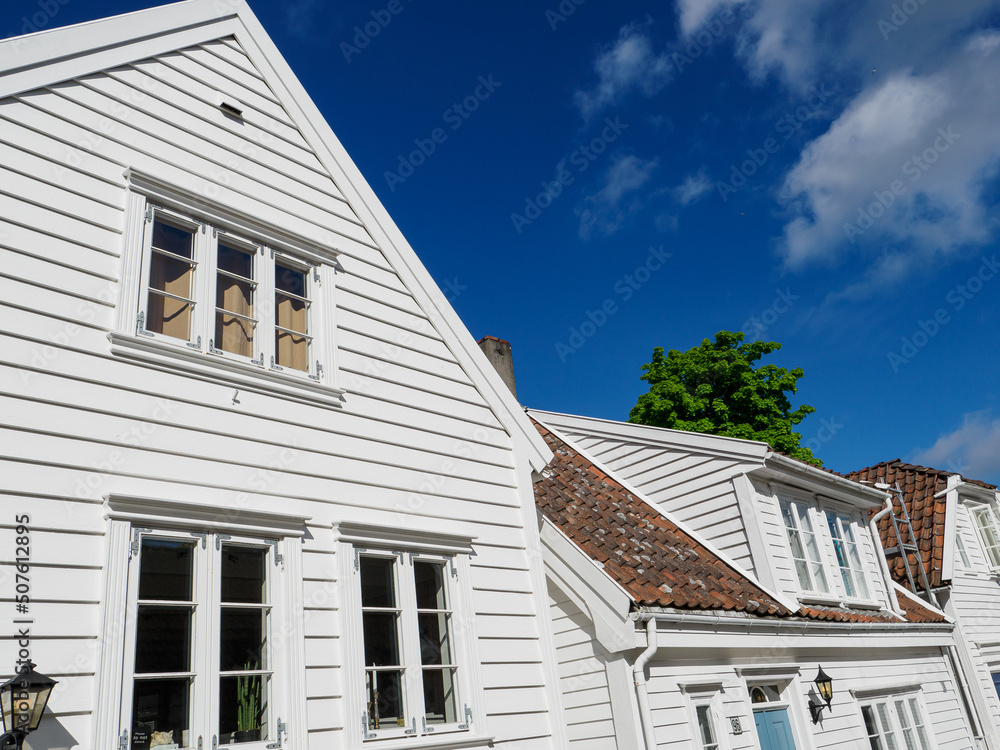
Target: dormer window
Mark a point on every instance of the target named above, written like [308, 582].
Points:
[988, 527]
[845, 546]
[805, 547]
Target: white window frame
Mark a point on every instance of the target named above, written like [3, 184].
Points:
[817, 511]
[130, 517]
[803, 512]
[963, 552]
[205, 637]
[149, 198]
[706, 700]
[454, 550]
[985, 515]
[911, 729]
[854, 575]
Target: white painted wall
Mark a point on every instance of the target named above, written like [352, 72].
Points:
[583, 677]
[79, 423]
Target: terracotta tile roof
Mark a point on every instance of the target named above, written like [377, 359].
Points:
[919, 484]
[653, 559]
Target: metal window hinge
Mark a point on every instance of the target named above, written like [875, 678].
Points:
[364, 727]
[316, 278]
[201, 742]
[259, 360]
[423, 722]
[215, 231]
[282, 729]
[278, 558]
[196, 344]
[211, 347]
[454, 570]
[413, 729]
[123, 740]
[201, 535]
[135, 540]
[218, 540]
[468, 718]
[319, 372]
[357, 557]
[140, 325]
[274, 366]
[215, 742]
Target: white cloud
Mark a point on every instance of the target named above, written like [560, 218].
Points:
[627, 65]
[693, 187]
[606, 210]
[934, 135]
[798, 41]
[972, 450]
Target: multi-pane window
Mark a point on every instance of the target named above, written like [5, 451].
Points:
[805, 547]
[845, 546]
[227, 295]
[706, 727]
[411, 669]
[989, 533]
[895, 723]
[201, 669]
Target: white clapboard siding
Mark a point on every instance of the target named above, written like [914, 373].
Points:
[695, 488]
[583, 676]
[841, 726]
[413, 442]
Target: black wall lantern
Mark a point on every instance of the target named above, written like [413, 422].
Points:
[23, 699]
[824, 684]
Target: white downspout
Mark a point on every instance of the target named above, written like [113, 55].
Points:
[642, 689]
[877, 539]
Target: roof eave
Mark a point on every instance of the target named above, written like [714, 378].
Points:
[775, 464]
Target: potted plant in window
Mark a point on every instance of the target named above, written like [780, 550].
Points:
[248, 706]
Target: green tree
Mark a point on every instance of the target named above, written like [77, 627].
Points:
[715, 388]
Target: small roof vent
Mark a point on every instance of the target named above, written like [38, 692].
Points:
[229, 105]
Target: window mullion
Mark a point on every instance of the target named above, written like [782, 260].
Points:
[208, 635]
[268, 313]
[411, 642]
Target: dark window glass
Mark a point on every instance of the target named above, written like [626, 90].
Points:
[165, 573]
[163, 639]
[243, 575]
[172, 239]
[377, 583]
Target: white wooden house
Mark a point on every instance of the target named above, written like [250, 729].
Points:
[275, 495]
[956, 526]
[700, 584]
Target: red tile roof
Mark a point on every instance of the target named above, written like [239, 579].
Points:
[650, 556]
[920, 485]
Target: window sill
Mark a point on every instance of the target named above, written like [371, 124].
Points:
[220, 369]
[840, 601]
[429, 742]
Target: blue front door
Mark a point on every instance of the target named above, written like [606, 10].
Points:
[774, 730]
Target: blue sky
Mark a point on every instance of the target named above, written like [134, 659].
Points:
[590, 180]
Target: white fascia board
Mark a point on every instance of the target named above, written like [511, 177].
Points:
[788, 470]
[590, 587]
[950, 528]
[787, 602]
[975, 491]
[745, 450]
[387, 235]
[46, 57]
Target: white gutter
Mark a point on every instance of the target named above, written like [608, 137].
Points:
[824, 477]
[877, 538]
[642, 689]
[799, 623]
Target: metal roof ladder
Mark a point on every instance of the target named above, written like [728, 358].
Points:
[905, 549]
